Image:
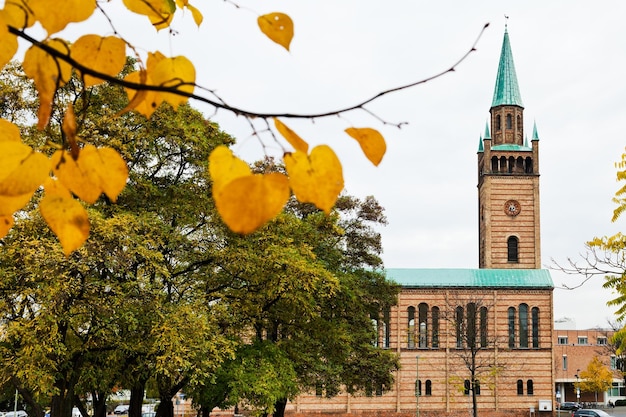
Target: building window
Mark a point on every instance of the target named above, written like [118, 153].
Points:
[477, 387]
[613, 362]
[535, 326]
[483, 327]
[511, 318]
[435, 326]
[319, 389]
[387, 328]
[429, 387]
[419, 387]
[411, 335]
[601, 341]
[523, 325]
[375, 327]
[529, 387]
[422, 320]
[582, 340]
[520, 387]
[466, 387]
[509, 121]
[511, 249]
[471, 325]
[459, 327]
[498, 123]
[565, 362]
[561, 340]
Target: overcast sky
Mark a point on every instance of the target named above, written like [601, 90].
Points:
[570, 59]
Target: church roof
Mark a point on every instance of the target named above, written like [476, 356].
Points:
[484, 278]
[511, 147]
[506, 92]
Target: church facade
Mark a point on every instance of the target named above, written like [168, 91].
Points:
[476, 337]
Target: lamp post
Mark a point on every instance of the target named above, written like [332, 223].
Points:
[417, 390]
[577, 387]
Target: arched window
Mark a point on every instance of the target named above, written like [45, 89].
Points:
[512, 244]
[509, 121]
[477, 387]
[511, 320]
[429, 387]
[523, 325]
[519, 122]
[419, 387]
[423, 324]
[471, 325]
[483, 327]
[466, 387]
[529, 387]
[520, 387]
[503, 167]
[511, 165]
[494, 164]
[459, 327]
[375, 327]
[386, 328]
[498, 122]
[434, 314]
[411, 335]
[528, 165]
[534, 317]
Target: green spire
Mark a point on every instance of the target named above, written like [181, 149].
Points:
[535, 134]
[487, 134]
[506, 92]
[480, 145]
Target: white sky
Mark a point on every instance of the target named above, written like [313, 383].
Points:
[569, 56]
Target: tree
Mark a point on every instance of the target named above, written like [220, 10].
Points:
[132, 299]
[468, 316]
[244, 200]
[308, 304]
[596, 378]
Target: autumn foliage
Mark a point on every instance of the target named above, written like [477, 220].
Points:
[78, 172]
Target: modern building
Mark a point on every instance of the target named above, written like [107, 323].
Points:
[573, 352]
[476, 337]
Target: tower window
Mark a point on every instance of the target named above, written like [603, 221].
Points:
[509, 121]
[520, 387]
[411, 330]
[534, 313]
[511, 245]
[511, 320]
[498, 123]
[523, 325]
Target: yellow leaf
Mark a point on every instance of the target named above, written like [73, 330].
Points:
[294, 140]
[248, 202]
[106, 55]
[108, 165]
[225, 167]
[8, 43]
[177, 72]
[371, 141]
[48, 74]
[12, 154]
[6, 223]
[143, 101]
[96, 170]
[197, 16]
[315, 178]
[31, 172]
[11, 204]
[160, 12]
[17, 14]
[9, 132]
[55, 17]
[67, 218]
[278, 27]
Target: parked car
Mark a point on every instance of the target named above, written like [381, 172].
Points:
[18, 413]
[121, 409]
[568, 405]
[590, 412]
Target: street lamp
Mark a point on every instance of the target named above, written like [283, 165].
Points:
[577, 387]
[417, 390]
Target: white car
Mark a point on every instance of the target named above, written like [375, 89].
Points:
[121, 409]
[18, 413]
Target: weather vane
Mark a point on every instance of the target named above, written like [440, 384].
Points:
[506, 21]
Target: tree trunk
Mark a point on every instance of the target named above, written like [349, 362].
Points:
[279, 407]
[99, 404]
[165, 407]
[136, 399]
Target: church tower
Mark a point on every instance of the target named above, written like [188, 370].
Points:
[508, 179]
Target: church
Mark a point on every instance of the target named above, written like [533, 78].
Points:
[476, 338]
